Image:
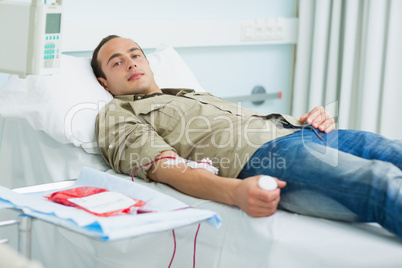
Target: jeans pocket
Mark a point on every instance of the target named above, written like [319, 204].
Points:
[290, 126]
[318, 133]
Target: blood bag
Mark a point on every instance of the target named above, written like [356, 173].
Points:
[97, 201]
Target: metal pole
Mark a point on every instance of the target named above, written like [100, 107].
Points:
[24, 235]
[6, 223]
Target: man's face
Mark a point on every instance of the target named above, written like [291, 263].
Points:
[126, 69]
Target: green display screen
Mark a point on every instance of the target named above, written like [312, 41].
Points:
[53, 22]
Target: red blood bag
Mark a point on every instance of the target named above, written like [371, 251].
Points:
[98, 201]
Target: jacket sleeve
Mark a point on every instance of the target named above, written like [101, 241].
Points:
[126, 142]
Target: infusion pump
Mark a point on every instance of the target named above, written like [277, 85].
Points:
[30, 37]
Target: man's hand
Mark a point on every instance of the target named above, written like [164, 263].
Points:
[255, 201]
[319, 118]
[200, 183]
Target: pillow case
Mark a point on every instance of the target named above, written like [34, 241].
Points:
[170, 70]
[65, 105]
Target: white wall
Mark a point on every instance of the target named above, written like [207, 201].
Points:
[178, 9]
[223, 71]
[3, 79]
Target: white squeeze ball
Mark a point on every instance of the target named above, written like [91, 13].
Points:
[267, 183]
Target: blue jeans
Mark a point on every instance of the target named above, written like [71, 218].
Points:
[343, 175]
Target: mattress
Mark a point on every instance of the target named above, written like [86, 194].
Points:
[30, 157]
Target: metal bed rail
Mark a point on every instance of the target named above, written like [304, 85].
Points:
[24, 233]
[24, 222]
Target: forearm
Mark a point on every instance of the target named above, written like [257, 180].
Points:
[204, 184]
[198, 182]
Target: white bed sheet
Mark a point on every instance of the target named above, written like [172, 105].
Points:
[29, 157]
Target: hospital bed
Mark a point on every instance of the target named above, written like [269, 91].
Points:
[47, 135]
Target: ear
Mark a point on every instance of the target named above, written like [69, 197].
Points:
[102, 81]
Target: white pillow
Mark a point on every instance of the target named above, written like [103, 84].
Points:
[65, 105]
[170, 70]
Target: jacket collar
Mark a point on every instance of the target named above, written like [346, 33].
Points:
[169, 91]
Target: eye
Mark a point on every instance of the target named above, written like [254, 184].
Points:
[117, 63]
[136, 56]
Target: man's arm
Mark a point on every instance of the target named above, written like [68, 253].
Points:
[125, 141]
[204, 184]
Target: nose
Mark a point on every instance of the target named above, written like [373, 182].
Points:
[131, 64]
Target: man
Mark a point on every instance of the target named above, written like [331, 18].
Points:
[144, 130]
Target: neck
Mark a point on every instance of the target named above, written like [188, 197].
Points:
[153, 89]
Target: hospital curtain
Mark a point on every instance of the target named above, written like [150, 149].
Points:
[349, 59]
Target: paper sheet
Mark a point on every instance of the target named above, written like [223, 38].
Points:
[170, 212]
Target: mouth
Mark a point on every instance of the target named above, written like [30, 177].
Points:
[135, 76]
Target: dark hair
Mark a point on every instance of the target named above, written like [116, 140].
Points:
[96, 67]
[95, 64]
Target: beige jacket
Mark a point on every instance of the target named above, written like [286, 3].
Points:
[132, 130]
